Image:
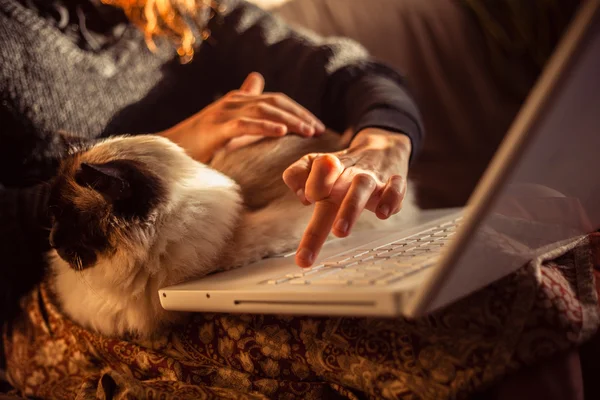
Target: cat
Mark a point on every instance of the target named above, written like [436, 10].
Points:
[132, 214]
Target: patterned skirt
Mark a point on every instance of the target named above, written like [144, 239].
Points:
[547, 307]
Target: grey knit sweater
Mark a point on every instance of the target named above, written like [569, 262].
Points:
[95, 77]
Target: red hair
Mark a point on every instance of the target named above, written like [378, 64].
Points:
[175, 19]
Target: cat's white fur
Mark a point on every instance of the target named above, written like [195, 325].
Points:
[202, 227]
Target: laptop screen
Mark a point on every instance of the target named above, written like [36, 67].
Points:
[551, 193]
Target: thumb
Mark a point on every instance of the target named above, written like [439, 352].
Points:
[254, 84]
[296, 175]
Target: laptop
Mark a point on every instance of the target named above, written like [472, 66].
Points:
[541, 188]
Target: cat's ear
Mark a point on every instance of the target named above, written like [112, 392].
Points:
[108, 179]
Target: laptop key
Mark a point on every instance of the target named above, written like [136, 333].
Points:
[338, 259]
[359, 253]
[366, 257]
[385, 248]
[349, 263]
[330, 280]
[301, 274]
[299, 281]
[277, 281]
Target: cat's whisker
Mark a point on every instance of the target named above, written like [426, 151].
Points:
[81, 277]
[79, 268]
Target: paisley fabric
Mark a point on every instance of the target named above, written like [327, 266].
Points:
[548, 306]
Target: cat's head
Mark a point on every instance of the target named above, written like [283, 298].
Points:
[103, 196]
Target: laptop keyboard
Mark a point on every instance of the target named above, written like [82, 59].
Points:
[381, 265]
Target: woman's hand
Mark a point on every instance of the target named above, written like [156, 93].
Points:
[242, 114]
[370, 174]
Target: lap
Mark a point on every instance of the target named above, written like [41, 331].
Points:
[542, 310]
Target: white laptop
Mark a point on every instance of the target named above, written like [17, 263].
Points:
[542, 187]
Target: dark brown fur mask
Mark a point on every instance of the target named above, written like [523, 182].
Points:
[96, 199]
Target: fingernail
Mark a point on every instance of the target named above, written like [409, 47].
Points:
[384, 210]
[307, 129]
[306, 255]
[341, 225]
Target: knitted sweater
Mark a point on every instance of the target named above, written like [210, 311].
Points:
[51, 81]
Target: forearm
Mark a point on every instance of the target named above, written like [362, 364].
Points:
[335, 78]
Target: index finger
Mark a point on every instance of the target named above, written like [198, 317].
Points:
[286, 103]
[316, 233]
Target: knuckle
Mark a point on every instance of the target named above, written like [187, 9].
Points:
[326, 159]
[364, 180]
[397, 180]
[310, 158]
[259, 107]
[278, 99]
[240, 123]
[395, 191]
[265, 125]
[279, 96]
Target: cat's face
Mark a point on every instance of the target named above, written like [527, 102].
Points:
[94, 206]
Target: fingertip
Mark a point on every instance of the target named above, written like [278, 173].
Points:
[280, 129]
[253, 84]
[338, 234]
[383, 211]
[305, 257]
[307, 130]
[341, 228]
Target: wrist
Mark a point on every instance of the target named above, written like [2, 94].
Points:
[382, 139]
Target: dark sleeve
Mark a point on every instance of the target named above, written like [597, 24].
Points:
[24, 165]
[23, 243]
[335, 78]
